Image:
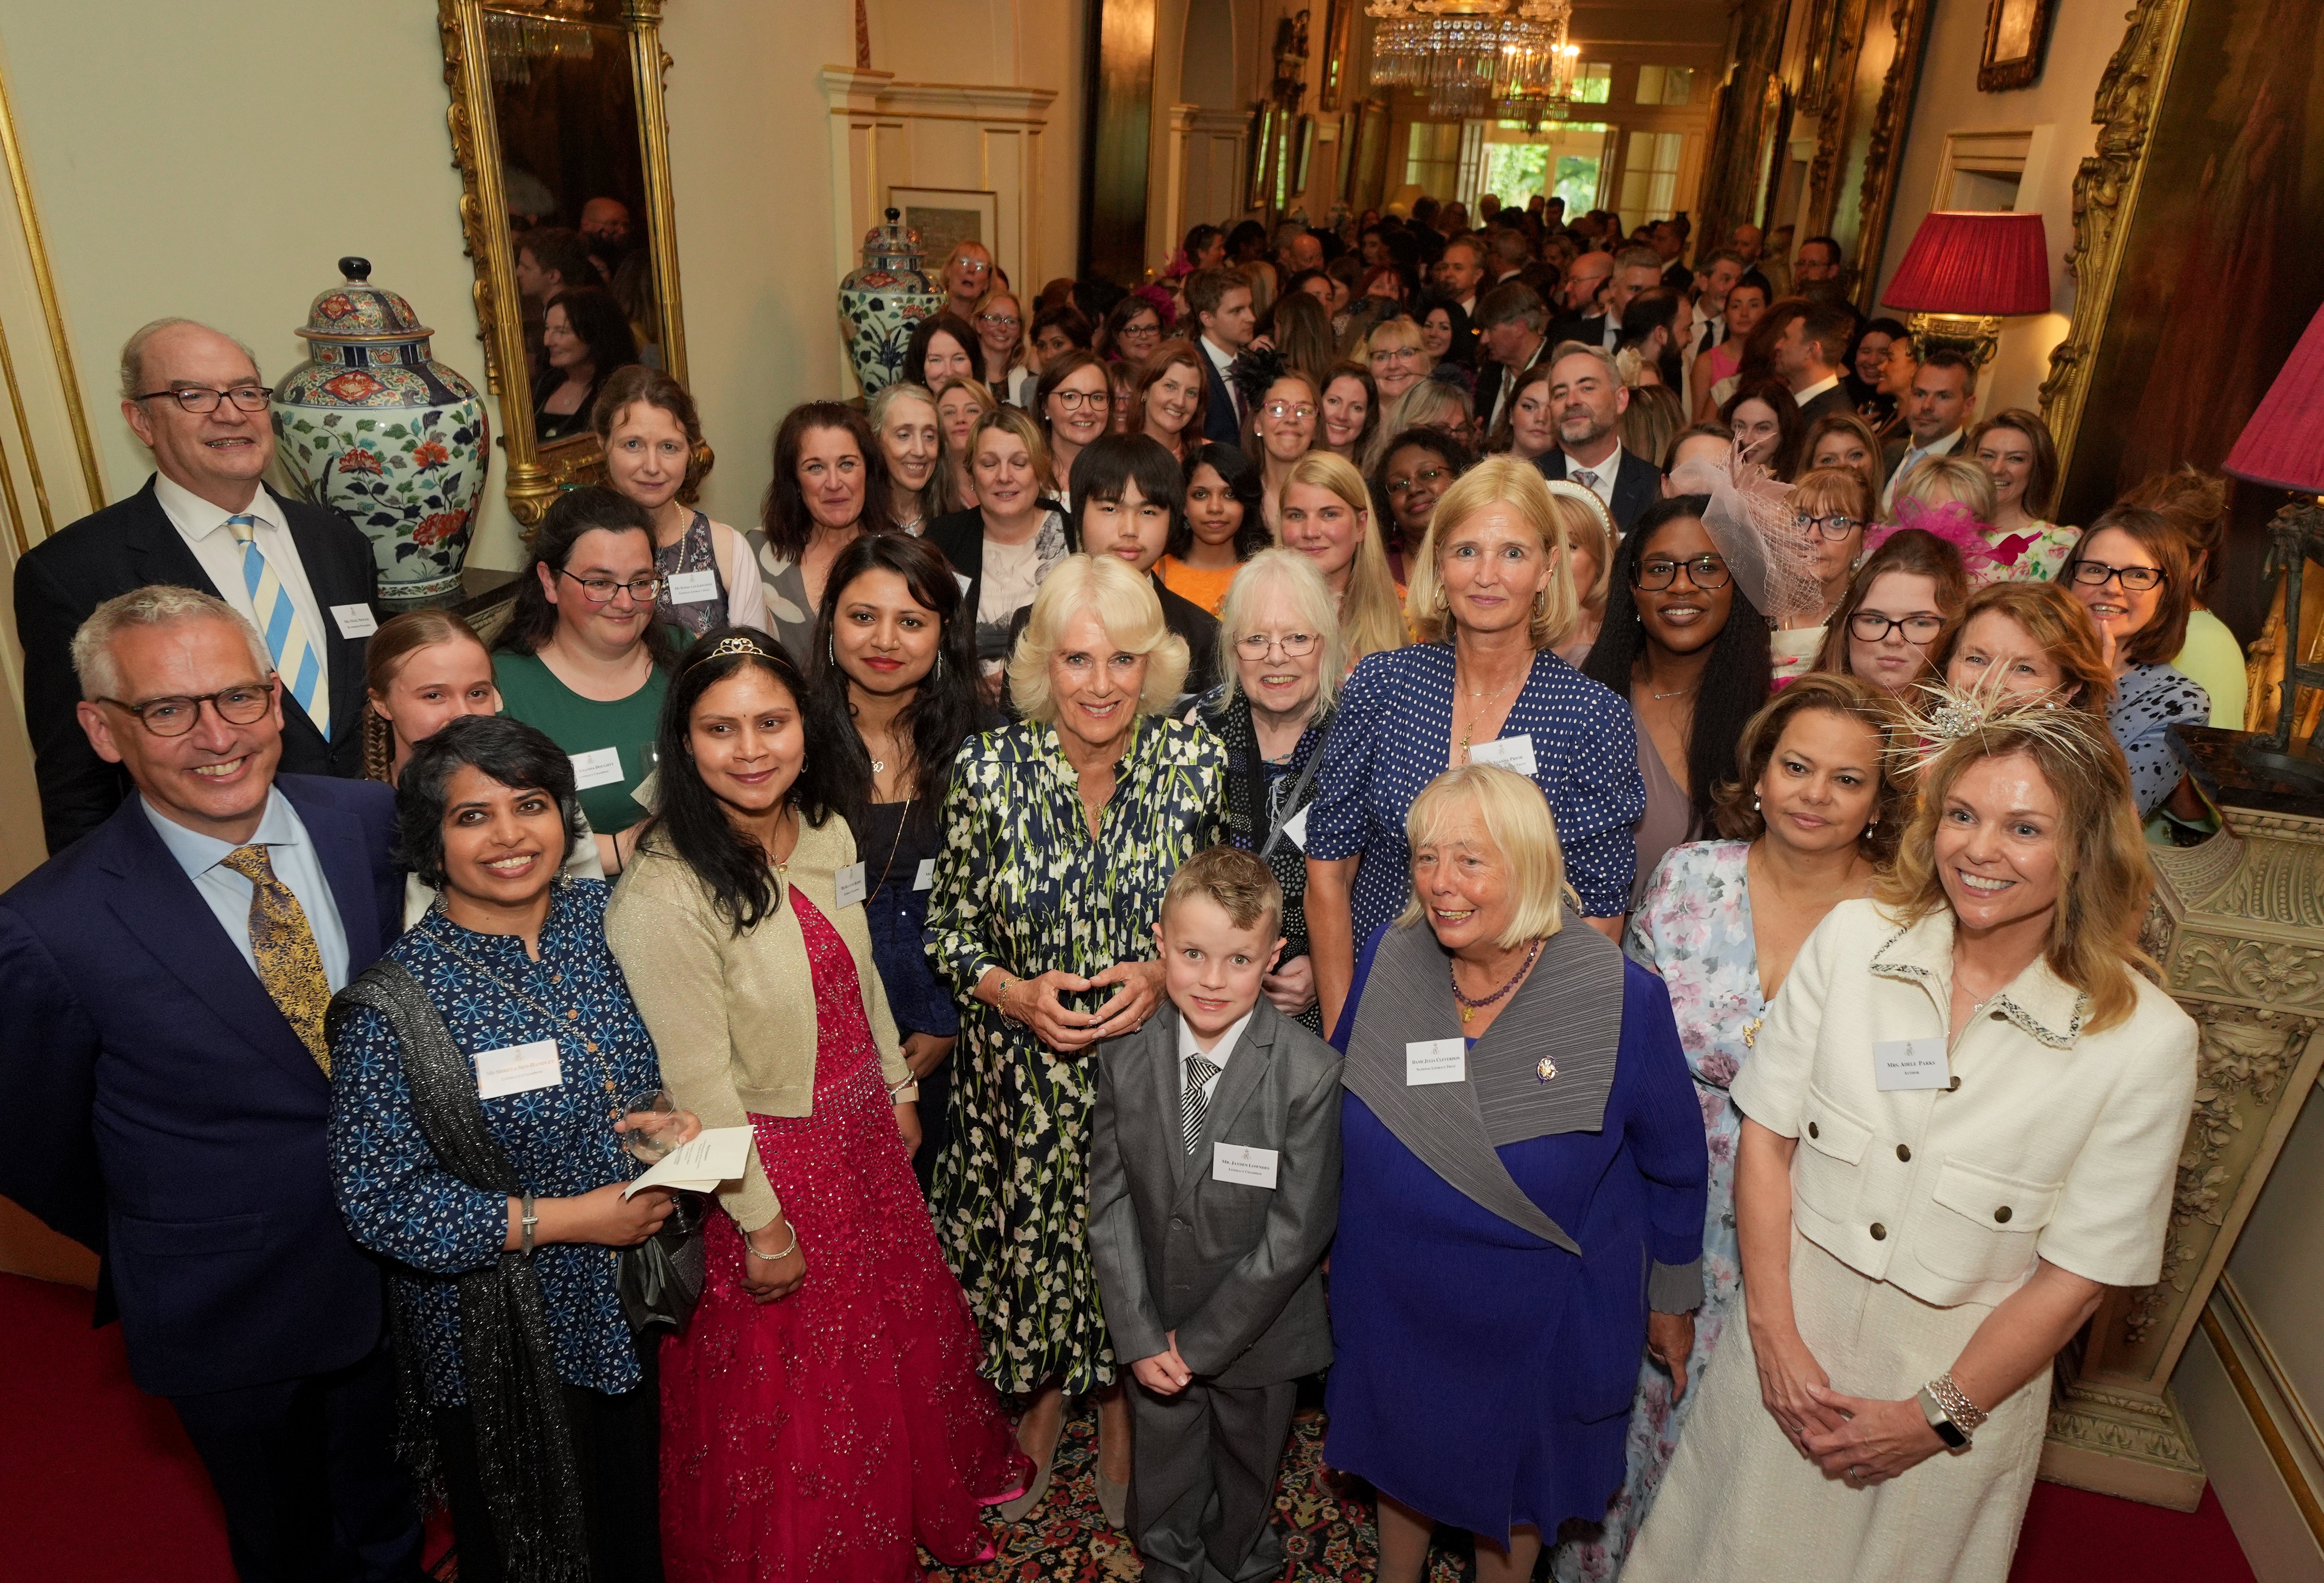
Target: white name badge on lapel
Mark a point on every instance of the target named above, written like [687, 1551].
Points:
[355, 620]
[1910, 1063]
[1295, 828]
[850, 890]
[1511, 752]
[600, 766]
[693, 587]
[923, 878]
[517, 1070]
[1237, 1162]
[1435, 1060]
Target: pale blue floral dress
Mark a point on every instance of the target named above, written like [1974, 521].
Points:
[1694, 929]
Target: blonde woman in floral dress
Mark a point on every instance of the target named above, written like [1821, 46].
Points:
[1721, 924]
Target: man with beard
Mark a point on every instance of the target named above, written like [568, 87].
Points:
[1587, 397]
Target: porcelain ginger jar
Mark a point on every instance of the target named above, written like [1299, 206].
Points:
[374, 426]
[882, 302]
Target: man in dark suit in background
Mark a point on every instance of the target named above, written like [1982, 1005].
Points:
[1808, 358]
[165, 979]
[1219, 301]
[1589, 398]
[303, 574]
[1510, 320]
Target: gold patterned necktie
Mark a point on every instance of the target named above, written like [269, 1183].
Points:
[289, 963]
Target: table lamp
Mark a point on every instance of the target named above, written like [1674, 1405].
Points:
[1966, 272]
[2282, 447]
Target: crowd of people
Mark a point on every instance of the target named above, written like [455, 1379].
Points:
[1544, 840]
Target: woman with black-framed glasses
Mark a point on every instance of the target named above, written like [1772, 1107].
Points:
[2130, 571]
[583, 657]
[1903, 595]
[1830, 507]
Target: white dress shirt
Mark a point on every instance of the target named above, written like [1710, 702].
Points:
[1216, 1056]
[1220, 358]
[1803, 397]
[1602, 476]
[203, 527]
[289, 851]
[1905, 463]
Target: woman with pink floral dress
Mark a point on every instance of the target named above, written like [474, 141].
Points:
[1720, 922]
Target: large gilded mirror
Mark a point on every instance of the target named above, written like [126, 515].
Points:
[559, 130]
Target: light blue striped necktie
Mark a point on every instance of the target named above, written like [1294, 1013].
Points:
[296, 659]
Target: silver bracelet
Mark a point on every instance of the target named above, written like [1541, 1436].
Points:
[773, 1258]
[526, 1226]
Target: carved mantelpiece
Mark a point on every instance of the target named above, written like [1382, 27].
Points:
[2238, 929]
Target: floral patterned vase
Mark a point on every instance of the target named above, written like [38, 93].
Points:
[373, 425]
[882, 303]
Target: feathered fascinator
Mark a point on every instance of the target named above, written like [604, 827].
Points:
[1156, 296]
[1949, 715]
[1255, 369]
[1750, 519]
[1958, 526]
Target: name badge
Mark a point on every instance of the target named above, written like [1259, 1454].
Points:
[1238, 1163]
[925, 877]
[1295, 828]
[1511, 752]
[355, 620]
[1910, 1063]
[693, 587]
[963, 579]
[850, 889]
[600, 766]
[517, 1070]
[1435, 1060]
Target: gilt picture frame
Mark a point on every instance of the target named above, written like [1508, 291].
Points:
[2016, 37]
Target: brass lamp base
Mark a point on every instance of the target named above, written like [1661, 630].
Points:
[1976, 334]
[2295, 537]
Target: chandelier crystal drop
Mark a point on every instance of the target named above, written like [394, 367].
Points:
[1491, 58]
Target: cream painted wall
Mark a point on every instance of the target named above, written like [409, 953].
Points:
[2057, 111]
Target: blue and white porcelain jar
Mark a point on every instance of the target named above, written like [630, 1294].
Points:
[882, 302]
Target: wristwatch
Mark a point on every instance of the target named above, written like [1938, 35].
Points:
[1941, 1421]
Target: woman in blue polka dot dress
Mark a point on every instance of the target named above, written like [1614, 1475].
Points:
[1491, 597]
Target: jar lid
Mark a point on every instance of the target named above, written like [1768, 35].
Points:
[893, 241]
[357, 311]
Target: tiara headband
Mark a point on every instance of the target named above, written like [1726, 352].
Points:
[1956, 714]
[1589, 497]
[726, 648]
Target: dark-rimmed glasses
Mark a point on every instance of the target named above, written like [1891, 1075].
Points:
[1834, 528]
[201, 398]
[1869, 627]
[601, 590]
[2135, 579]
[1704, 572]
[244, 703]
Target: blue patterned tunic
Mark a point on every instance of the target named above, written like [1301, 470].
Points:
[1393, 735]
[2148, 701]
[400, 1202]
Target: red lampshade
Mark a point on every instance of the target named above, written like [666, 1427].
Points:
[1974, 263]
[2283, 446]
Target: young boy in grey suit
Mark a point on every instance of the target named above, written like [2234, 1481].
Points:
[1214, 1190]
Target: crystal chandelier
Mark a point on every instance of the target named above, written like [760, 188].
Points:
[1491, 57]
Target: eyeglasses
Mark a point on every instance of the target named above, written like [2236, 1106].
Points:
[1869, 627]
[2135, 579]
[245, 704]
[1073, 400]
[1258, 645]
[1831, 527]
[1397, 488]
[200, 398]
[601, 590]
[1704, 572]
[1000, 321]
[972, 266]
[1398, 353]
[1281, 409]
[1138, 332]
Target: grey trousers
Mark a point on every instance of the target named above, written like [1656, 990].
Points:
[1202, 1482]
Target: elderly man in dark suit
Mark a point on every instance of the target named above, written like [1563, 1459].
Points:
[303, 574]
[165, 979]
[1214, 1190]
[1588, 398]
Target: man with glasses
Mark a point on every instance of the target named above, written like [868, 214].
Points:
[166, 978]
[302, 574]
[1587, 400]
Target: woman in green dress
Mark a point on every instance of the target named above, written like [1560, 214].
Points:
[1060, 834]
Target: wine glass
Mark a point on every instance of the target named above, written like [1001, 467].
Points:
[651, 1132]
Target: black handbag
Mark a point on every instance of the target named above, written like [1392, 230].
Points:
[660, 1281]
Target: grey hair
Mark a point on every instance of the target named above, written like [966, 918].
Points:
[133, 353]
[1294, 575]
[154, 604]
[1588, 349]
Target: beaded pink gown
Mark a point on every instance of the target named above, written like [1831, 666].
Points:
[822, 1437]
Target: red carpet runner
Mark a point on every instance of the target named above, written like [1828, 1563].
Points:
[105, 1490]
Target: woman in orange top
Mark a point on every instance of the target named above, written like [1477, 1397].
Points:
[1222, 528]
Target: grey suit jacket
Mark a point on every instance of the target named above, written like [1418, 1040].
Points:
[1234, 1269]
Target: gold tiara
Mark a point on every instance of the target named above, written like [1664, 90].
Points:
[726, 648]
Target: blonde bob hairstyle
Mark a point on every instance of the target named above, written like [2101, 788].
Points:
[1588, 527]
[1294, 579]
[1017, 421]
[1939, 480]
[1519, 828]
[1371, 615]
[1498, 480]
[2103, 875]
[1125, 606]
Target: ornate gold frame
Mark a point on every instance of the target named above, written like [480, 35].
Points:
[536, 473]
[2106, 194]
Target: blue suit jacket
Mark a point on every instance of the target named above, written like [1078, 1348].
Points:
[169, 1119]
[1219, 416]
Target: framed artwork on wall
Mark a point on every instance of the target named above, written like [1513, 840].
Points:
[2016, 32]
[1264, 120]
[946, 217]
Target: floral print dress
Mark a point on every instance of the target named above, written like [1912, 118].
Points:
[1023, 886]
[1694, 929]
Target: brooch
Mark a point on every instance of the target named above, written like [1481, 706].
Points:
[1751, 1030]
[1544, 1068]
